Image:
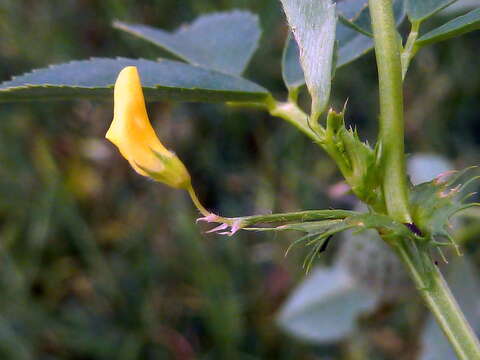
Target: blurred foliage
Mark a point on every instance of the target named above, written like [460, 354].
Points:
[99, 263]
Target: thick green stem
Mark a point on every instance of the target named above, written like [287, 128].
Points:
[391, 137]
[427, 277]
[440, 301]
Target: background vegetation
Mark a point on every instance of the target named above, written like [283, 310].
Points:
[96, 262]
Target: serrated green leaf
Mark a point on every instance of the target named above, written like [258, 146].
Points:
[456, 27]
[223, 42]
[313, 26]
[419, 10]
[162, 80]
[291, 69]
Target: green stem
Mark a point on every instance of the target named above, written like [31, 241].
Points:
[424, 273]
[196, 201]
[391, 136]
[290, 112]
[410, 48]
[301, 216]
[325, 138]
[437, 296]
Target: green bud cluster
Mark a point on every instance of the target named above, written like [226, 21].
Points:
[356, 159]
[434, 203]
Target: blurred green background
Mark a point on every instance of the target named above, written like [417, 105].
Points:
[97, 262]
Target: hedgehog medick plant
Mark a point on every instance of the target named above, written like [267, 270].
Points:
[215, 49]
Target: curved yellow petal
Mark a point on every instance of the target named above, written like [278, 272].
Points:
[135, 138]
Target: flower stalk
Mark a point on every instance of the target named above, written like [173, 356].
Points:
[196, 201]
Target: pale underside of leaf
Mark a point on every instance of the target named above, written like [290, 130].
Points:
[352, 43]
[161, 80]
[313, 25]
[351, 46]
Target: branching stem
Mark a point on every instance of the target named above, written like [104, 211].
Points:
[290, 112]
[428, 279]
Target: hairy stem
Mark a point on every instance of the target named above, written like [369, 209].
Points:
[391, 137]
[424, 273]
[301, 216]
[437, 296]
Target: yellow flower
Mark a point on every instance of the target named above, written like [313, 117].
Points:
[135, 138]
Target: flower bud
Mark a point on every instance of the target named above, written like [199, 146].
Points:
[133, 135]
